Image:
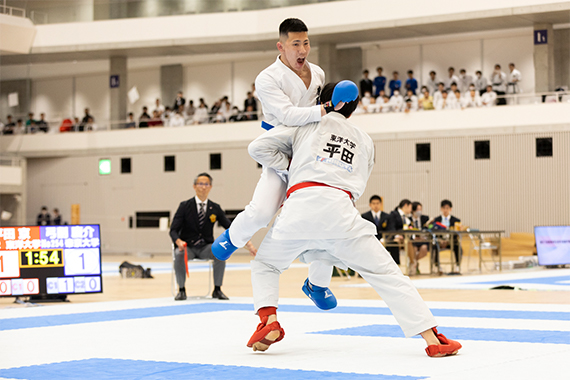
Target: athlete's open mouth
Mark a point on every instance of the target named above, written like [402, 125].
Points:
[300, 61]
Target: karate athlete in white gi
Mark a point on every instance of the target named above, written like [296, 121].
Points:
[331, 163]
[289, 93]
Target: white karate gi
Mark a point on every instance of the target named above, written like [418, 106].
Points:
[449, 80]
[514, 79]
[285, 101]
[322, 224]
[488, 99]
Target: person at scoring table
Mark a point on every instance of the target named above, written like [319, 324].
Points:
[193, 228]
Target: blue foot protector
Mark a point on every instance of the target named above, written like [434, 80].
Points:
[322, 297]
[222, 247]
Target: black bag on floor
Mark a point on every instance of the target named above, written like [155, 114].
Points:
[129, 270]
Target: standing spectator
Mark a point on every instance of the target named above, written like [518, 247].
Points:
[179, 101]
[144, 118]
[514, 79]
[480, 82]
[379, 83]
[30, 120]
[42, 124]
[432, 82]
[176, 120]
[8, 128]
[131, 123]
[395, 83]
[411, 82]
[43, 219]
[365, 83]
[56, 217]
[85, 120]
[438, 94]
[452, 78]
[464, 81]
[158, 107]
[376, 215]
[499, 83]
[489, 97]
[426, 101]
[250, 101]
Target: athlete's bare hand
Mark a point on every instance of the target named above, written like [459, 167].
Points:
[251, 248]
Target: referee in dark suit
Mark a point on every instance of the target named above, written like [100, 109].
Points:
[193, 226]
[376, 215]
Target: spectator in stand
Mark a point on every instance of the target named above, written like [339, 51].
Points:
[214, 110]
[201, 116]
[489, 97]
[449, 222]
[443, 103]
[179, 101]
[514, 79]
[411, 101]
[20, 128]
[452, 78]
[365, 84]
[158, 107]
[376, 215]
[250, 101]
[438, 94]
[499, 83]
[130, 123]
[42, 123]
[418, 249]
[464, 81]
[85, 120]
[224, 112]
[155, 121]
[458, 104]
[480, 82]
[411, 82]
[144, 118]
[30, 120]
[250, 114]
[426, 101]
[176, 120]
[56, 218]
[90, 126]
[366, 101]
[166, 116]
[190, 111]
[379, 83]
[235, 115]
[432, 83]
[395, 83]
[472, 99]
[385, 105]
[8, 128]
[397, 102]
[453, 88]
[44, 218]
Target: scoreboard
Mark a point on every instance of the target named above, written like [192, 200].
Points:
[50, 260]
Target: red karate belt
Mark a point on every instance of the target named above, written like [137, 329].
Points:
[302, 185]
[186, 259]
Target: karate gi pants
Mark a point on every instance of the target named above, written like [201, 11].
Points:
[268, 196]
[364, 254]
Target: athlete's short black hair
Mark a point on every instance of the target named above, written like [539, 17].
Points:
[293, 25]
[347, 109]
[375, 197]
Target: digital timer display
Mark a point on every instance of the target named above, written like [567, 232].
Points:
[50, 260]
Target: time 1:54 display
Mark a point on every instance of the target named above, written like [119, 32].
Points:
[41, 258]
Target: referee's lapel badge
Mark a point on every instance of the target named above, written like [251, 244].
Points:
[213, 218]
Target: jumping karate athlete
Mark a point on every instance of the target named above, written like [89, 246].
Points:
[331, 163]
[289, 93]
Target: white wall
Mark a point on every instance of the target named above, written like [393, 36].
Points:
[53, 96]
[148, 85]
[93, 92]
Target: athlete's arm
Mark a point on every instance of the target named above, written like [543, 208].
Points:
[273, 148]
[275, 102]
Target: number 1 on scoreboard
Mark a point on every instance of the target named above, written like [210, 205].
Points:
[9, 264]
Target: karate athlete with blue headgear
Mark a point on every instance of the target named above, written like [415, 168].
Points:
[289, 94]
[330, 166]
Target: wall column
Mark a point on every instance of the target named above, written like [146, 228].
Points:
[171, 81]
[118, 84]
[562, 58]
[327, 61]
[543, 36]
[349, 64]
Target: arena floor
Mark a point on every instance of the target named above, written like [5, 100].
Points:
[135, 330]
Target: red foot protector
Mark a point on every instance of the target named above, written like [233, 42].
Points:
[263, 328]
[448, 347]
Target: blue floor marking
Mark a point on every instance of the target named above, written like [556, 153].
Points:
[461, 333]
[539, 280]
[110, 369]
[151, 312]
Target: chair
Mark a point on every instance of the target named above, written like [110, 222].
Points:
[210, 263]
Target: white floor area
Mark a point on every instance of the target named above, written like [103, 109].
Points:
[164, 339]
